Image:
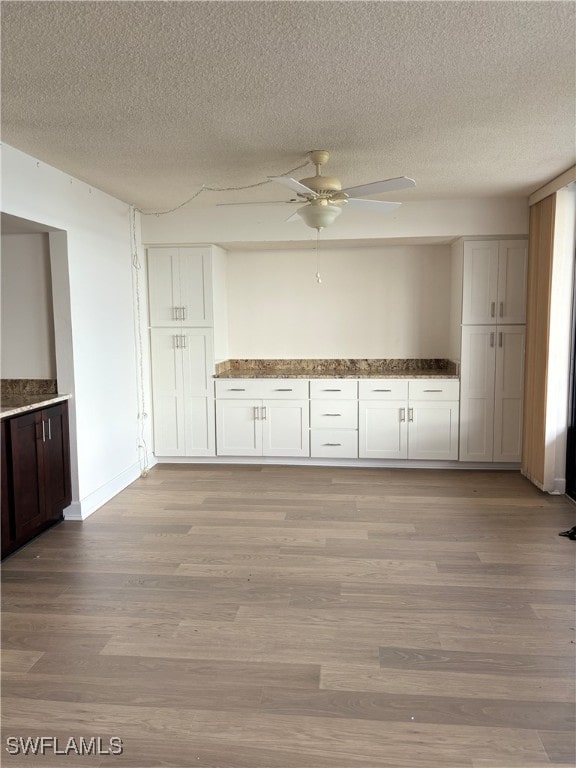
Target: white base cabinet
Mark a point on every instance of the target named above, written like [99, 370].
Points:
[492, 375]
[262, 417]
[334, 418]
[182, 397]
[262, 428]
[409, 419]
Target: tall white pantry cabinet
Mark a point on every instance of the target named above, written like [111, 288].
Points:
[183, 288]
[494, 277]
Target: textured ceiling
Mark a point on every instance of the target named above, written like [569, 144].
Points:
[150, 100]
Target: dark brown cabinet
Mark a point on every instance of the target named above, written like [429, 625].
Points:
[35, 473]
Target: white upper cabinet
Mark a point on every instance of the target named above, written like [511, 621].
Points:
[480, 284]
[494, 282]
[512, 281]
[179, 286]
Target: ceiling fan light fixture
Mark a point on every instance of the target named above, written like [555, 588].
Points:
[319, 216]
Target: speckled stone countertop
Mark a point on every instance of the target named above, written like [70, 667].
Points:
[16, 404]
[21, 395]
[337, 369]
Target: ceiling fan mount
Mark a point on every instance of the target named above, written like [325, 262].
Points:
[323, 186]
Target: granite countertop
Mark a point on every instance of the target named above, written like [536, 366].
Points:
[337, 369]
[12, 405]
[338, 374]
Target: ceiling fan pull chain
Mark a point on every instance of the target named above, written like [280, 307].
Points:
[318, 278]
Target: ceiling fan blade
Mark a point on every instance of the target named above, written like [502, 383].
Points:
[265, 202]
[294, 217]
[372, 205]
[287, 181]
[376, 187]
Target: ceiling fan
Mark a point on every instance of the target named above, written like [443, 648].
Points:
[325, 197]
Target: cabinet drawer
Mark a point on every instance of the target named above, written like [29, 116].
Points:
[334, 389]
[267, 389]
[339, 443]
[383, 389]
[434, 389]
[334, 414]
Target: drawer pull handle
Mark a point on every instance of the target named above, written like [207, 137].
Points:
[381, 390]
[286, 389]
[333, 445]
[433, 390]
[331, 390]
[236, 389]
[410, 414]
[402, 414]
[331, 414]
[501, 309]
[493, 309]
[256, 412]
[500, 339]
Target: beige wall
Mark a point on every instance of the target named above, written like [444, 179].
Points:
[372, 303]
[27, 317]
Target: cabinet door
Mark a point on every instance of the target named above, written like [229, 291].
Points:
[509, 393]
[238, 428]
[285, 426]
[27, 468]
[195, 286]
[432, 429]
[167, 392]
[199, 426]
[164, 287]
[6, 508]
[195, 348]
[512, 281]
[480, 282]
[56, 448]
[382, 429]
[477, 370]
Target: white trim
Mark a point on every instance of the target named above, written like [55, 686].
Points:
[360, 463]
[80, 510]
[568, 177]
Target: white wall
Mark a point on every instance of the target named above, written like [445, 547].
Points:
[27, 323]
[384, 302]
[93, 266]
[200, 223]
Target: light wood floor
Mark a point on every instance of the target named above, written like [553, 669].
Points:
[284, 617]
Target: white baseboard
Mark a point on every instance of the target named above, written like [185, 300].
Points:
[360, 463]
[80, 510]
[558, 487]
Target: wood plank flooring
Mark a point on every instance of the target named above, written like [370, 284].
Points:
[299, 617]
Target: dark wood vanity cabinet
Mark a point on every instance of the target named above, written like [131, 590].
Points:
[35, 473]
